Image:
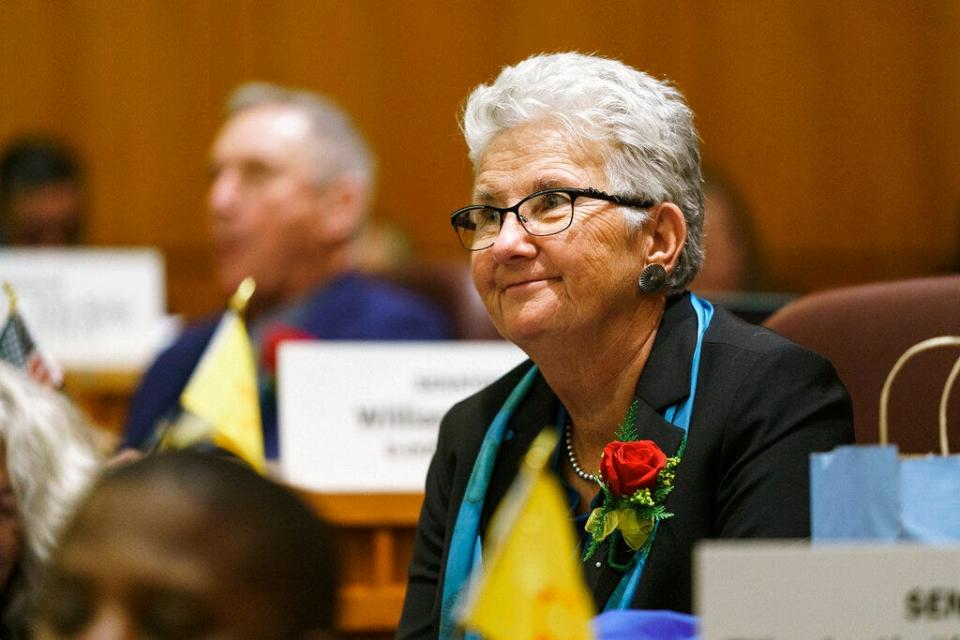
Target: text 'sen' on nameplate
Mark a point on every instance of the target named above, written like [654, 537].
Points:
[793, 591]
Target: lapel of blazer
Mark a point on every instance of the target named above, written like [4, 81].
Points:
[665, 381]
[537, 410]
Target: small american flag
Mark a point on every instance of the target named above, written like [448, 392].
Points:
[19, 349]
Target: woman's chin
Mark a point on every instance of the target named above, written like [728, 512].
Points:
[525, 329]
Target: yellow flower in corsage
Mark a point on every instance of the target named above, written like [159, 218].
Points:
[634, 530]
[636, 477]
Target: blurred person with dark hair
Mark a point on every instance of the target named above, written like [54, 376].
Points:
[731, 253]
[41, 199]
[292, 182]
[185, 545]
[47, 460]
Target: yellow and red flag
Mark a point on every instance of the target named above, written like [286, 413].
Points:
[531, 585]
[222, 392]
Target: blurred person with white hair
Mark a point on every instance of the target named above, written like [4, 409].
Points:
[48, 459]
[676, 420]
[292, 183]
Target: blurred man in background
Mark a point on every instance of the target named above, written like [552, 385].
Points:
[41, 200]
[291, 184]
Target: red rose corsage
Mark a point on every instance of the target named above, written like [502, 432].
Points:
[636, 477]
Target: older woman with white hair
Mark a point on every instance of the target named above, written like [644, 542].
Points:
[678, 421]
[47, 461]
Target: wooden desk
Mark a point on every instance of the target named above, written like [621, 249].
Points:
[104, 394]
[374, 536]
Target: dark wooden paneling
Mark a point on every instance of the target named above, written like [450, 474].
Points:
[839, 119]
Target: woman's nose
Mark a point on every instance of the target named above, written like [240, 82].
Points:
[513, 241]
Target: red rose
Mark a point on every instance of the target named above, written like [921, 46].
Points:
[627, 467]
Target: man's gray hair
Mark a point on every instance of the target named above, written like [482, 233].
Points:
[337, 147]
[649, 143]
[51, 460]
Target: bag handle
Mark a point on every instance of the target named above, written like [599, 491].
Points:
[925, 345]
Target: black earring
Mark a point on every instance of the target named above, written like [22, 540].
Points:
[653, 278]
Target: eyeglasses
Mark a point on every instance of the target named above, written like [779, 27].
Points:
[543, 213]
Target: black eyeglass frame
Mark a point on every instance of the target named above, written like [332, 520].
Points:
[574, 193]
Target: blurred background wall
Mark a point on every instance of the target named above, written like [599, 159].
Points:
[839, 119]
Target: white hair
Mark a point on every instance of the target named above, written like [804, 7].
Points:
[649, 143]
[337, 146]
[51, 460]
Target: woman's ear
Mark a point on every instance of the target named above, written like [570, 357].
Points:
[667, 233]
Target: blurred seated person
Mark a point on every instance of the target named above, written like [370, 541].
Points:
[47, 461]
[731, 255]
[292, 182]
[186, 545]
[382, 246]
[41, 200]
[585, 234]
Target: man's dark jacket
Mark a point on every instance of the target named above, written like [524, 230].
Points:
[352, 307]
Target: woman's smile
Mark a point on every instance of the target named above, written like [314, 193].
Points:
[523, 288]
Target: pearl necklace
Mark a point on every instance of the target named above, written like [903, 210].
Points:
[572, 457]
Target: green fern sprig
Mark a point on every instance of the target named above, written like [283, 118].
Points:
[627, 431]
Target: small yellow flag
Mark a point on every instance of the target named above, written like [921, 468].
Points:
[531, 587]
[222, 391]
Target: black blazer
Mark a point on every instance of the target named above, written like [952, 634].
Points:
[763, 405]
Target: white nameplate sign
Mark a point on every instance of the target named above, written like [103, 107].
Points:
[778, 591]
[91, 307]
[363, 416]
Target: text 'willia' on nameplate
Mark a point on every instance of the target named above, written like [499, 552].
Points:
[363, 416]
[783, 591]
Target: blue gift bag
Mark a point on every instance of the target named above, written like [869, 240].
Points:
[854, 494]
[930, 498]
[871, 493]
